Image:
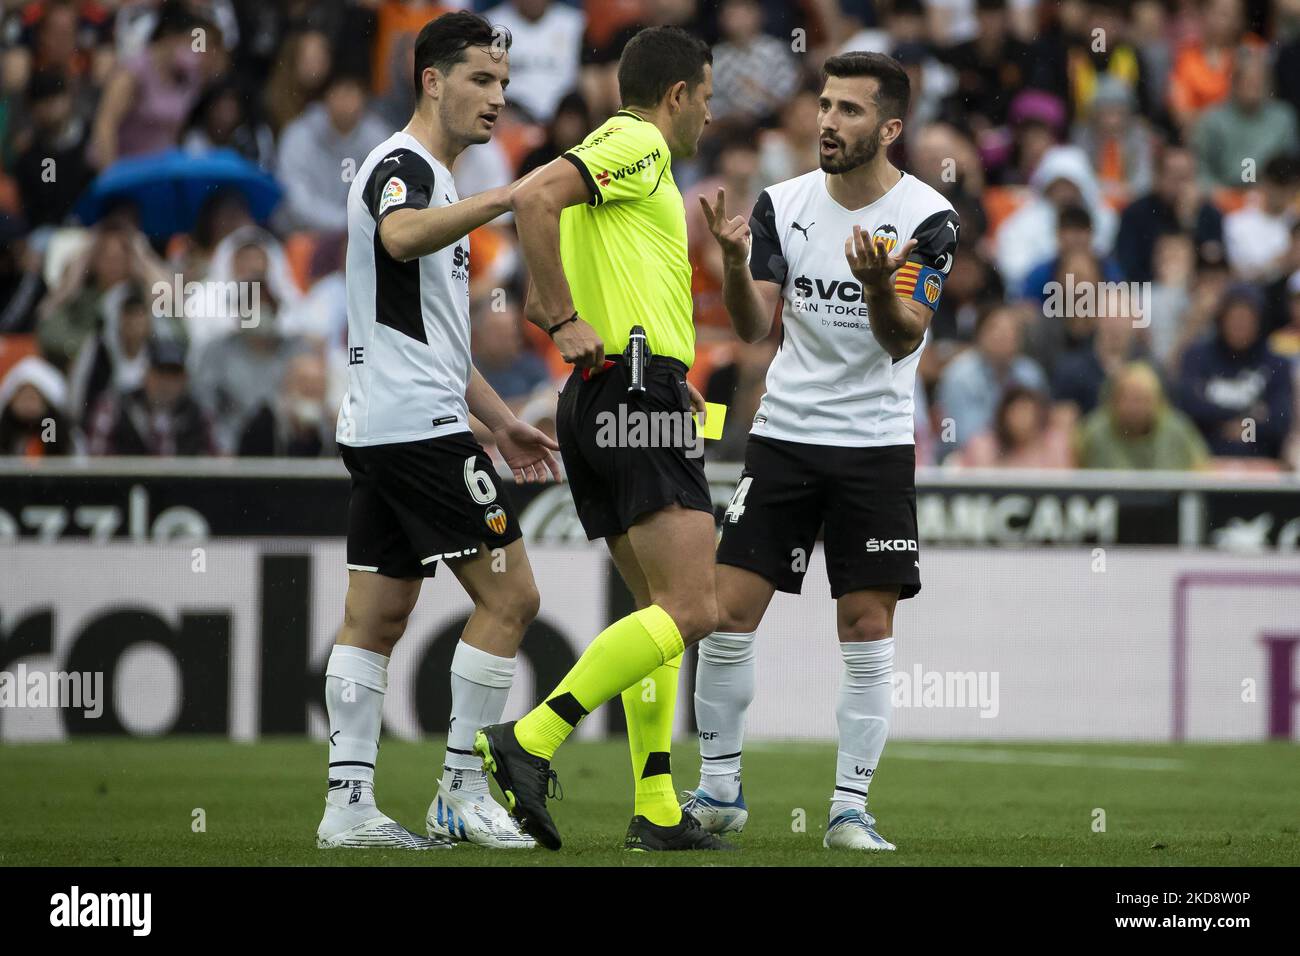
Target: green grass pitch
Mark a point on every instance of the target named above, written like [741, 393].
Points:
[132, 802]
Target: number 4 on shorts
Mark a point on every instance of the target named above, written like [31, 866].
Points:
[737, 506]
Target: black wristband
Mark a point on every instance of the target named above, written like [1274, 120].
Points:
[551, 330]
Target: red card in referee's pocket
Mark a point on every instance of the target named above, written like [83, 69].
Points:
[586, 372]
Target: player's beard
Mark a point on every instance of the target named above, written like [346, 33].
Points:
[848, 159]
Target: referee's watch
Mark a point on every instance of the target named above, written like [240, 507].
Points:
[552, 330]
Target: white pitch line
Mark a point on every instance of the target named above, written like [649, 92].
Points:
[1037, 758]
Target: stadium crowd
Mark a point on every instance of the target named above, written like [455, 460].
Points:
[1126, 293]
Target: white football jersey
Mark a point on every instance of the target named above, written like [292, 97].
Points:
[831, 383]
[408, 322]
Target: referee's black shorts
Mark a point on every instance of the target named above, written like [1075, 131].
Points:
[864, 497]
[627, 455]
[416, 503]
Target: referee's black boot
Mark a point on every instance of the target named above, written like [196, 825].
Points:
[685, 834]
[525, 779]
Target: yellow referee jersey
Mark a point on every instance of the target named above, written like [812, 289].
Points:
[624, 252]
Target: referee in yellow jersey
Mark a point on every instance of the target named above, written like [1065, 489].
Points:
[603, 230]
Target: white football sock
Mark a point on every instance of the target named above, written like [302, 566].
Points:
[866, 699]
[480, 684]
[355, 682]
[724, 688]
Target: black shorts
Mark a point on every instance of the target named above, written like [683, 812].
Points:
[865, 498]
[414, 503]
[626, 456]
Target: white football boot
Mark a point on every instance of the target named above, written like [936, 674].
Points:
[352, 820]
[855, 830]
[714, 815]
[472, 816]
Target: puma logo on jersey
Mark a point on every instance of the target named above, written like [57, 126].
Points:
[803, 229]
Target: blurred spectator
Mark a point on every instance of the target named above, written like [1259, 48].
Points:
[319, 149]
[1079, 376]
[1063, 178]
[223, 118]
[1108, 74]
[1067, 318]
[753, 73]
[945, 160]
[1277, 294]
[52, 172]
[1257, 237]
[22, 282]
[115, 359]
[160, 418]
[1202, 75]
[1150, 35]
[500, 355]
[545, 50]
[238, 372]
[221, 214]
[1036, 122]
[1236, 390]
[567, 128]
[1170, 298]
[1243, 134]
[1024, 435]
[971, 386]
[32, 401]
[298, 422]
[149, 96]
[1073, 235]
[972, 284]
[790, 149]
[91, 283]
[301, 68]
[991, 67]
[1285, 341]
[1136, 428]
[736, 166]
[248, 282]
[1118, 144]
[1175, 204]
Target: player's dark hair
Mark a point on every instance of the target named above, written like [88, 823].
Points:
[442, 43]
[655, 59]
[895, 92]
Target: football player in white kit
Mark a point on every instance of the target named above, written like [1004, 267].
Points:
[423, 490]
[856, 252]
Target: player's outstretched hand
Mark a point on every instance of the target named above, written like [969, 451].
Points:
[871, 264]
[732, 234]
[528, 451]
[580, 346]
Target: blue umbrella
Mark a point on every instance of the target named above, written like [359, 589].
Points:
[170, 187]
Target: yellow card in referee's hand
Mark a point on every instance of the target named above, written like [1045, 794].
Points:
[714, 415]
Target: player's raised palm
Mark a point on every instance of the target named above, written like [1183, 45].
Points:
[528, 451]
[732, 234]
[872, 265]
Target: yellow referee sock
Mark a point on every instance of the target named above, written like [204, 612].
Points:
[650, 705]
[620, 656]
